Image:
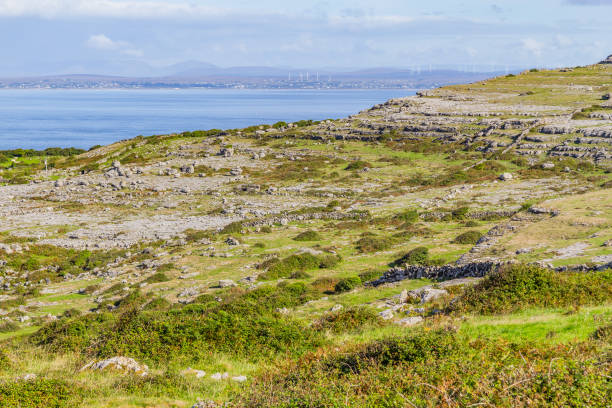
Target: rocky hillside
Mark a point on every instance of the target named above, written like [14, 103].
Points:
[448, 249]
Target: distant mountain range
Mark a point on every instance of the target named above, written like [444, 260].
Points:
[199, 74]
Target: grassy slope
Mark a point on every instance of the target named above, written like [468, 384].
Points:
[554, 338]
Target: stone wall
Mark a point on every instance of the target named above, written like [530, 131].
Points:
[438, 273]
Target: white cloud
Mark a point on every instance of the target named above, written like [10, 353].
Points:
[103, 8]
[103, 42]
[534, 46]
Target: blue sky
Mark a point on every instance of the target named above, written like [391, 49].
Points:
[141, 37]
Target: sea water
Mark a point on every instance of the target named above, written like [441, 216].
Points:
[40, 118]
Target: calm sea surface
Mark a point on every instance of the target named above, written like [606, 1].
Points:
[82, 118]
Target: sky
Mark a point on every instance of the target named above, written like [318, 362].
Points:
[148, 37]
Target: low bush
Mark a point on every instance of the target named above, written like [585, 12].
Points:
[157, 277]
[283, 268]
[71, 313]
[460, 213]
[5, 361]
[416, 256]
[233, 228]
[517, 287]
[603, 333]
[408, 216]
[347, 284]
[245, 324]
[468, 237]
[39, 393]
[348, 320]
[324, 284]
[8, 326]
[358, 165]
[370, 275]
[308, 236]
[373, 244]
[436, 368]
[299, 275]
[193, 235]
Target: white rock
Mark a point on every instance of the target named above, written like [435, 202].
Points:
[226, 283]
[386, 314]
[219, 376]
[120, 364]
[410, 321]
[336, 308]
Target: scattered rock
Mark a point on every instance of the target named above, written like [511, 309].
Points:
[410, 321]
[119, 364]
[403, 297]
[541, 210]
[232, 241]
[505, 176]
[26, 377]
[205, 404]
[548, 166]
[427, 294]
[386, 314]
[336, 308]
[193, 371]
[219, 376]
[227, 283]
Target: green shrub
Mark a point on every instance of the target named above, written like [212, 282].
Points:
[308, 236]
[246, 325]
[299, 275]
[373, 244]
[348, 320]
[436, 369]
[71, 313]
[298, 262]
[157, 277]
[193, 235]
[5, 361]
[158, 304]
[603, 333]
[8, 326]
[358, 165]
[370, 275]
[233, 228]
[347, 284]
[39, 393]
[460, 213]
[32, 264]
[468, 237]
[72, 334]
[329, 261]
[416, 256]
[324, 284]
[520, 286]
[408, 216]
